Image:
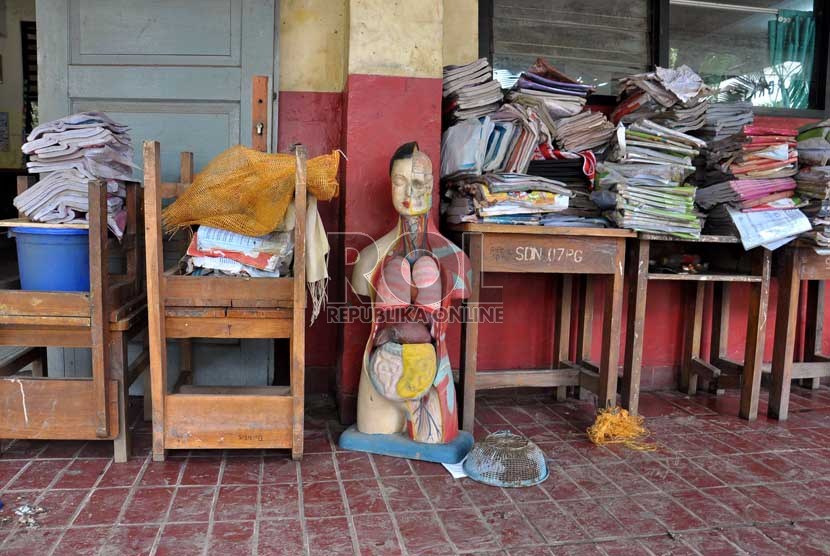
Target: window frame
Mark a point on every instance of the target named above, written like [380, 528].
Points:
[659, 38]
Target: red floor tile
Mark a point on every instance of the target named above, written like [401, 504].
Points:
[39, 474]
[148, 505]
[61, 506]
[553, 523]
[103, 506]
[183, 539]
[422, 534]
[404, 495]
[136, 540]
[322, 499]
[510, 527]
[279, 469]
[86, 541]
[164, 473]
[241, 471]
[279, 537]
[192, 504]
[82, 473]
[364, 497]
[30, 542]
[376, 535]
[122, 474]
[467, 530]
[201, 471]
[232, 538]
[279, 501]
[236, 503]
[356, 465]
[329, 537]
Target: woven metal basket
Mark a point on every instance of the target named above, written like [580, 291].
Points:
[506, 460]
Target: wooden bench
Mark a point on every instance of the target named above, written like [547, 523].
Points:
[103, 319]
[184, 307]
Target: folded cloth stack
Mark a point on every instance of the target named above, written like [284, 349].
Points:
[469, 91]
[725, 119]
[767, 153]
[584, 131]
[676, 98]
[504, 198]
[746, 194]
[814, 144]
[212, 250]
[73, 151]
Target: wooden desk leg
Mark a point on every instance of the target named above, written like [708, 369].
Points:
[692, 336]
[721, 304]
[562, 337]
[469, 351]
[612, 323]
[784, 347]
[586, 320]
[148, 397]
[118, 368]
[814, 329]
[756, 329]
[637, 264]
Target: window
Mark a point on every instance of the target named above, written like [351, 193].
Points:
[763, 51]
[772, 53]
[594, 42]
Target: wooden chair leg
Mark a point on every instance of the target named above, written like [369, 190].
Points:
[118, 367]
[470, 338]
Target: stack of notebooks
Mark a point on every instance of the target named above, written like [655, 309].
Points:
[814, 144]
[551, 93]
[71, 152]
[767, 153]
[675, 98]
[712, 164]
[585, 131]
[576, 172]
[505, 198]
[649, 143]
[469, 91]
[746, 194]
[651, 198]
[725, 119]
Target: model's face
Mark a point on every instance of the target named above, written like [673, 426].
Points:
[412, 185]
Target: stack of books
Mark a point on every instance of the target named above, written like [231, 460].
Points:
[585, 131]
[650, 143]
[677, 98]
[469, 91]
[767, 153]
[814, 190]
[725, 119]
[814, 144]
[746, 194]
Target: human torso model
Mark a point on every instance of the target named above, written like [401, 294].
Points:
[411, 276]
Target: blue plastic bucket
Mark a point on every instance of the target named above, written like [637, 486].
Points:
[53, 259]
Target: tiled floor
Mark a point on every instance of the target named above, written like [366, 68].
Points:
[718, 485]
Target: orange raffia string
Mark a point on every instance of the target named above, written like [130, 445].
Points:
[617, 426]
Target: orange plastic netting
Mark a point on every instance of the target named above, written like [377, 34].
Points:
[247, 191]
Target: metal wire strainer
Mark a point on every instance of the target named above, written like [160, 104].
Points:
[506, 460]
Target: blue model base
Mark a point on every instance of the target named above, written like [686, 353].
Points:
[399, 446]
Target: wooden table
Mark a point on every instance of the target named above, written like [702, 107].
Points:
[796, 262]
[729, 264]
[565, 251]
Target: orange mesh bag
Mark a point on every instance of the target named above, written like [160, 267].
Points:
[247, 191]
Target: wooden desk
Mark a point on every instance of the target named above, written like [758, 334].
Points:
[563, 251]
[794, 263]
[734, 265]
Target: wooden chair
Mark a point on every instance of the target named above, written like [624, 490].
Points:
[184, 307]
[104, 319]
